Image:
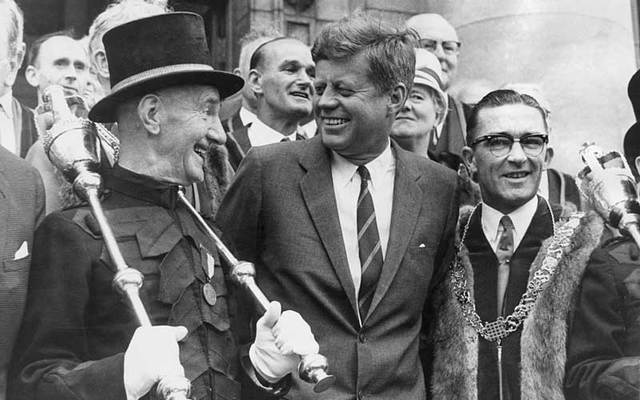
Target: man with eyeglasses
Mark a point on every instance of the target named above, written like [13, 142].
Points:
[501, 312]
[439, 37]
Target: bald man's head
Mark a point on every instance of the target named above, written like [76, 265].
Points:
[439, 37]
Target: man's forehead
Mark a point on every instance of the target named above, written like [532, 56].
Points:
[351, 69]
[287, 49]
[432, 26]
[60, 47]
[514, 119]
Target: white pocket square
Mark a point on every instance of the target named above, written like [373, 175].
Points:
[22, 252]
[422, 246]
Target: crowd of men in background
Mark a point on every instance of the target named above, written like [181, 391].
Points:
[423, 245]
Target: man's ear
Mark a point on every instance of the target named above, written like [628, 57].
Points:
[149, 112]
[254, 80]
[469, 160]
[32, 76]
[397, 97]
[236, 71]
[548, 156]
[637, 163]
[100, 64]
[15, 62]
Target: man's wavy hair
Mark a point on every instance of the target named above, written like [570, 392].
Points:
[388, 49]
[497, 98]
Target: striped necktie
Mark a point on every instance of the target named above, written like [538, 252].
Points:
[504, 252]
[369, 246]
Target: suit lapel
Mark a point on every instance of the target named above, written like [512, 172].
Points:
[4, 215]
[317, 191]
[242, 137]
[404, 216]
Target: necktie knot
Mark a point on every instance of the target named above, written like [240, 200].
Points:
[364, 173]
[506, 238]
[285, 139]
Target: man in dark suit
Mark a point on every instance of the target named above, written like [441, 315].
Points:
[503, 308]
[281, 70]
[347, 228]
[17, 129]
[21, 209]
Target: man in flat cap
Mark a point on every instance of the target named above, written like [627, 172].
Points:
[79, 338]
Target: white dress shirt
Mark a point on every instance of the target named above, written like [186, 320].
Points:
[521, 219]
[247, 117]
[261, 134]
[8, 138]
[346, 186]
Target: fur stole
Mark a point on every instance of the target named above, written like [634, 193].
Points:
[543, 340]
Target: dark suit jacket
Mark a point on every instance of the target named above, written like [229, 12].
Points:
[281, 214]
[238, 143]
[563, 189]
[23, 122]
[21, 209]
[452, 138]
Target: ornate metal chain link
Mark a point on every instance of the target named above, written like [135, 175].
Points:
[504, 326]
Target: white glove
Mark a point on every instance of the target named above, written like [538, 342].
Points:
[281, 338]
[152, 354]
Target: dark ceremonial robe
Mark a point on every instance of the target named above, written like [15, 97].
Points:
[281, 214]
[603, 360]
[465, 365]
[21, 210]
[77, 326]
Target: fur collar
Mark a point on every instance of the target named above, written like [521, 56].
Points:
[543, 340]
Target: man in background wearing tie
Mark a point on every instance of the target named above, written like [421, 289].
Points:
[17, 129]
[280, 76]
[347, 228]
[501, 317]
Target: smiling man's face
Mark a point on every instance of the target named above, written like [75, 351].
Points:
[286, 78]
[507, 182]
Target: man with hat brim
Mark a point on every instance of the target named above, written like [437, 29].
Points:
[79, 338]
[603, 344]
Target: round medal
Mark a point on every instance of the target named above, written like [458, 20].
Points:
[209, 294]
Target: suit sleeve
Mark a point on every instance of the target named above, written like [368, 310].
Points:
[446, 252]
[239, 218]
[51, 358]
[597, 366]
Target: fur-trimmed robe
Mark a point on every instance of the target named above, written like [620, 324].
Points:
[543, 340]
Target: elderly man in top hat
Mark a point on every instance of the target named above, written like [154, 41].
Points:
[79, 338]
[603, 351]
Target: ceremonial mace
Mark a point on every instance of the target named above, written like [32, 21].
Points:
[71, 145]
[609, 184]
[312, 367]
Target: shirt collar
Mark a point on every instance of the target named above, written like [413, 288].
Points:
[5, 102]
[521, 217]
[141, 187]
[247, 117]
[261, 134]
[345, 169]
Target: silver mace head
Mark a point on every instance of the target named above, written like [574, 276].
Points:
[609, 184]
[71, 144]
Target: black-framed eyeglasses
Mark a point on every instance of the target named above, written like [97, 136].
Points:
[448, 46]
[500, 145]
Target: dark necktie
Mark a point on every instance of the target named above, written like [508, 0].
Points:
[285, 139]
[504, 251]
[369, 246]
[299, 136]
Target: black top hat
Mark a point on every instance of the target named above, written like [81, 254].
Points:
[155, 52]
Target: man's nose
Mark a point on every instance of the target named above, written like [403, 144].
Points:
[216, 133]
[517, 153]
[326, 100]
